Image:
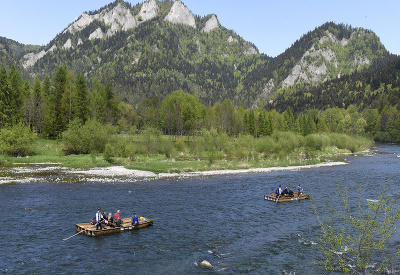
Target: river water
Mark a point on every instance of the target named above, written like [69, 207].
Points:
[222, 219]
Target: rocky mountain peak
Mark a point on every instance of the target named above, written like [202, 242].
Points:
[148, 11]
[81, 23]
[180, 14]
[117, 18]
[211, 24]
[326, 59]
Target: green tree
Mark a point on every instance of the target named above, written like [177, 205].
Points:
[289, 119]
[352, 240]
[4, 90]
[68, 98]
[180, 111]
[81, 100]
[17, 140]
[55, 122]
[251, 125]
[14, 99]
[98, 101]
[34, 107]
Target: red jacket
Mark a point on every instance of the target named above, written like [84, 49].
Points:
[116, 216]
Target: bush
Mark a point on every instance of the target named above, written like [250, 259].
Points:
[107, 155]
[316, 141]
[17, 141]
[180, 145]
[83, 139]
[286, 142]
[167, 148]
[130, 151]
[265, 145]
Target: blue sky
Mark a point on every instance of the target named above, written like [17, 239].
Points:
[273, 26]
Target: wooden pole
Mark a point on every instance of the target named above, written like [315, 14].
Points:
[78, 233]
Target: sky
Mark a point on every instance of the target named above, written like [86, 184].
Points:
[272, 25]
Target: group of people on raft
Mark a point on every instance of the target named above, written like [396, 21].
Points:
[111, 220]
[288, 192]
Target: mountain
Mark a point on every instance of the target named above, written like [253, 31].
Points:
[326, 53]
[154, 48]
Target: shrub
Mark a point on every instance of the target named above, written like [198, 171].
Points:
[130, 151]
[265, 145]
[180, 145]
[316, 141]
[286, 142]
[167, 148]
[83, 139]
[107, 155]
[17, 141]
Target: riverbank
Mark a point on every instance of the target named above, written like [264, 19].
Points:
[120, 171]
[42, 172]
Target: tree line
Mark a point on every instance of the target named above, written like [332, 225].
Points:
[49, 106]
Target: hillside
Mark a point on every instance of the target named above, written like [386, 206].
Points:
[155, 48]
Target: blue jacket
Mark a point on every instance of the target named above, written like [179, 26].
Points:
[135, 220]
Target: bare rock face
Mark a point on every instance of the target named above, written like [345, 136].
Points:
[180, 14]
[148, 11]
[31, 58]
[313, 67]
[97, 34]
[119, 18]
[68, 44]
[83, 21]
[211, 24]
[232, 40]
[250, 50]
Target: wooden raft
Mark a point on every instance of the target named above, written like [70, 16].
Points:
[283, 198]
[126, 225]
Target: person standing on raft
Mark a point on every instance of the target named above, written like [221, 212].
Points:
[98, 219]
[278, 192]
[299, 190]
[135, 219]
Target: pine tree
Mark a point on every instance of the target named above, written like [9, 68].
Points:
[55, 121]
[4, 90]
[34, 107]
[251, 124]
[81, 101]
[13, 102]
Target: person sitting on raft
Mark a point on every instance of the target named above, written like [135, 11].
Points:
[117, 219]
[290, 193]
[135, 219]
[105, 218]
[285, 192]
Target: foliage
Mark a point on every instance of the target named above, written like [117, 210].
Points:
[86, 138]
[17, 140]
[361, 238]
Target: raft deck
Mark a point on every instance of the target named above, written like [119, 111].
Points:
[126, 225]
[283, 198]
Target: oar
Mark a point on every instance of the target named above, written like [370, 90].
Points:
[78, 233]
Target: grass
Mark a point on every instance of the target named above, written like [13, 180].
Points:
[234, 153]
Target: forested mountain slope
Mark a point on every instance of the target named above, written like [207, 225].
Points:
[155, 48]
[374, 88]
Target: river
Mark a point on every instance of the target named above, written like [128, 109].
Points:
[223, 219]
